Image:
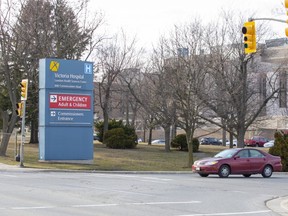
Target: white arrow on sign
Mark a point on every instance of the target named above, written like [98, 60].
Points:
[53, 98]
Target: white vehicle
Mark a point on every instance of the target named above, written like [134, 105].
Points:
[158, 141]
[234, 142]
[269, 144]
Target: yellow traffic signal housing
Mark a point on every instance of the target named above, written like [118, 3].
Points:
[19, 109]
[24, 89]
[249, 31]
[286, 7]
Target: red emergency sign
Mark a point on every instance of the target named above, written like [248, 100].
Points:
[69, 101]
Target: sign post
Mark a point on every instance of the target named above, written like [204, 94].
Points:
[66, 111]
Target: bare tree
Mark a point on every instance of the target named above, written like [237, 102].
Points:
[141, 87]
[231, 91]
[114, 57]
[10, 73]
[158, 95]
[187, 70]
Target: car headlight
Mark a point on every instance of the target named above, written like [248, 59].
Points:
[209, 163]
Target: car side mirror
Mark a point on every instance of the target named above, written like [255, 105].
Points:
[237, 156]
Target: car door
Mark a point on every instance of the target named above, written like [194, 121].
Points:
[241, 162]
[257, 160]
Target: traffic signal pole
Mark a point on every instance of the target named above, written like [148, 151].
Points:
[22, 135]
[269, 19]
[24, 93]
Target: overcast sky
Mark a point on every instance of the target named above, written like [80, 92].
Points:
[148, 19]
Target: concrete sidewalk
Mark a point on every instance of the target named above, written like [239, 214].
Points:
[5, 167]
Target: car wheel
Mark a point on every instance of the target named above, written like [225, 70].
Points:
[246, 175]
[224, 171]
[203, 174]
[257, 145]
[267, 171]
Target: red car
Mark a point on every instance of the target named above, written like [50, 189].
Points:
[245, 161]
[256, 141]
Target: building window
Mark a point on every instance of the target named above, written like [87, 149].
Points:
[283, 90]
[262, 86]
[262, 91]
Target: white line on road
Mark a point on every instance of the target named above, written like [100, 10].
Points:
[33, 207]
[139, 203]
[153, 181]
[229, 213]
[95, 205]
[133, 176]
[13, 176]
[163, 203]
[102, 205]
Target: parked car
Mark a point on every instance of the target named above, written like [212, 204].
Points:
[158, 141]
[210, 141]
[256, 141]
[234, 142]
[269, 144]
[96, 137]
[244, 161]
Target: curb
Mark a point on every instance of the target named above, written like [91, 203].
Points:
[279, 205]
[11, 168]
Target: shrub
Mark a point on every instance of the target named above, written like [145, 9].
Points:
[195, 144]
[180, 142]
[280, 148]
[117, 138]
[112, 124]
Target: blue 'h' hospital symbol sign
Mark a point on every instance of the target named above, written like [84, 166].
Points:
[88, 68]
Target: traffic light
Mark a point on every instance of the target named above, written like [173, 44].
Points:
[19, 109]
[24, 89]
[249, 32]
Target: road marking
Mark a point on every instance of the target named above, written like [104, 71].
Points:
[231, 213]
[95, 205]
[102, 205]
[139, 203]
[33, 207]
[164, 203]
[153, 181]
[13, 176]
[133, 176]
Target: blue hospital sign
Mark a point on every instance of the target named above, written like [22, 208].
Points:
[65, 110]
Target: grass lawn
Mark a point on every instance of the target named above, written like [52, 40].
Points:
[143, 158]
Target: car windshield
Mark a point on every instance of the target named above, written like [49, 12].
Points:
[228, 153]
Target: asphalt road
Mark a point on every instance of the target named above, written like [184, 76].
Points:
[104, 194]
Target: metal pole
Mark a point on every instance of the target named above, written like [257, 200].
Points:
[22, 135]
[16, 144]
[269, 19]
